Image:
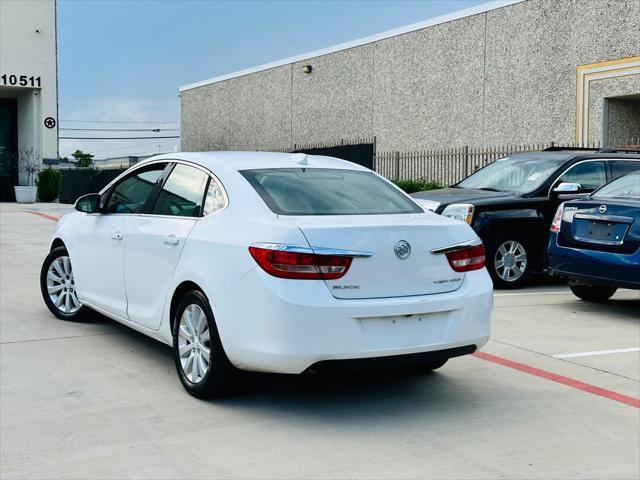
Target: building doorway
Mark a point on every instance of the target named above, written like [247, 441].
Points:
[621, 121]
[8, 148]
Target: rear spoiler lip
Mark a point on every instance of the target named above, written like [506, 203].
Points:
[458, 246]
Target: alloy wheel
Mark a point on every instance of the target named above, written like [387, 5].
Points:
[61, 286]
[194, 343]
[510, 261]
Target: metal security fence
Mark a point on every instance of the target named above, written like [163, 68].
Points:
[446, 166]
[80, 181]
[449, 166]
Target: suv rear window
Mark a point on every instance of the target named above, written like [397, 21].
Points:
[323, 191]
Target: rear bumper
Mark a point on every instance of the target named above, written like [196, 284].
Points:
[394, 361]
[288, 326]
[594, 267]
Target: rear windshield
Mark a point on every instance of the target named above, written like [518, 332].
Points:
[323, 191]
[623, 187]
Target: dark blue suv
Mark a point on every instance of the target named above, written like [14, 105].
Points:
[595, 241]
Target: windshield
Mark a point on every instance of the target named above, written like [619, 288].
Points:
[520, 174]
[623, 187]
[321, 191]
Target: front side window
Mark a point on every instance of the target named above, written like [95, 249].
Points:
[131, 193]
[590, 175]
[323, 191]
[182, 193]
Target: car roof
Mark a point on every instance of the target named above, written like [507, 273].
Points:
[566, 155]
[555, 155]
[227, 161]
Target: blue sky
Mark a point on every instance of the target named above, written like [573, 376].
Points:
[124, 60]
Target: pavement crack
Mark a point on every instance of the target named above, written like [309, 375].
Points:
[565, 360]
[56, 338]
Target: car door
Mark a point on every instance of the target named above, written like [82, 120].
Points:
[155, 241]
[101, 240]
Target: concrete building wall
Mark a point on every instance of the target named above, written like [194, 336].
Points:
[533, 51]
[335, 100]
[204, 118]
[428, 86]
[28, 49]
[260, 110]
[503, 76]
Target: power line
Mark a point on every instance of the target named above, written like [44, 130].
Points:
[117, 138]
[118, 129]
[125, 147]
[109, 121]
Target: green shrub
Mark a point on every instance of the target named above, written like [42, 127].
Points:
[411, 186]
[48, 182]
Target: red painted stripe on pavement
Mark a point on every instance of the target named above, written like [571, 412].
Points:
[570, 382]
[44, 215]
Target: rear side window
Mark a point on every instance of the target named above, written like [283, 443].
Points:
[131, 193]
[622, 167]
[214, 200]
[182, 193]
[320, 191]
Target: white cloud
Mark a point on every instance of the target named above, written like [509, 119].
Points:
[121, 110]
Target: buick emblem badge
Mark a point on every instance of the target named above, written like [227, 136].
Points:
[402, 249]
[603, 208]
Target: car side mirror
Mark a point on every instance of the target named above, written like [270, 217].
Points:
[89, 203]
[568, 187]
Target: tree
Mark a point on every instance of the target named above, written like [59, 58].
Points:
[82, 159]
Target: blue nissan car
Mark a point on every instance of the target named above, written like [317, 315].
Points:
[595, 241]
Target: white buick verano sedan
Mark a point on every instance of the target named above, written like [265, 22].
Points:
[270, 262]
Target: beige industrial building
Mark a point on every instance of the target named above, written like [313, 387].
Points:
[506, 72]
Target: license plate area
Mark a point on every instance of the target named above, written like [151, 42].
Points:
[602, 232]
[408, 330]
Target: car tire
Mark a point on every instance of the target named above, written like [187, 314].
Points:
[505, 263]
[58, 288]
[201, 363]
[593, 293]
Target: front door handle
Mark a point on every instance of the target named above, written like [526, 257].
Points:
[116, 236]
[171, 240]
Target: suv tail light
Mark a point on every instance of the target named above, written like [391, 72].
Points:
[300, 265]
[467, 259]
[557, 220]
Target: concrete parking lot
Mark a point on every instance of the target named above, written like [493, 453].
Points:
[97, 400]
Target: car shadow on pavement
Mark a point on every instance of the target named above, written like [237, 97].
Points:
[338, 396]
[366, 400]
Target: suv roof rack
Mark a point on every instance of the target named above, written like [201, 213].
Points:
[620, 150]
[570, 149]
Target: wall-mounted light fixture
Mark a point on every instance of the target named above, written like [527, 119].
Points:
[307, 69]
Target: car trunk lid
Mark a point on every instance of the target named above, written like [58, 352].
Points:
[391, 270]
[601, 226]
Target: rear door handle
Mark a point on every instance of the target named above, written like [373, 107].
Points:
[116, 236]
[171, 240]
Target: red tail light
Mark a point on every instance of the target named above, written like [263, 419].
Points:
[557, 220]
[303, 266]
[467, 259]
